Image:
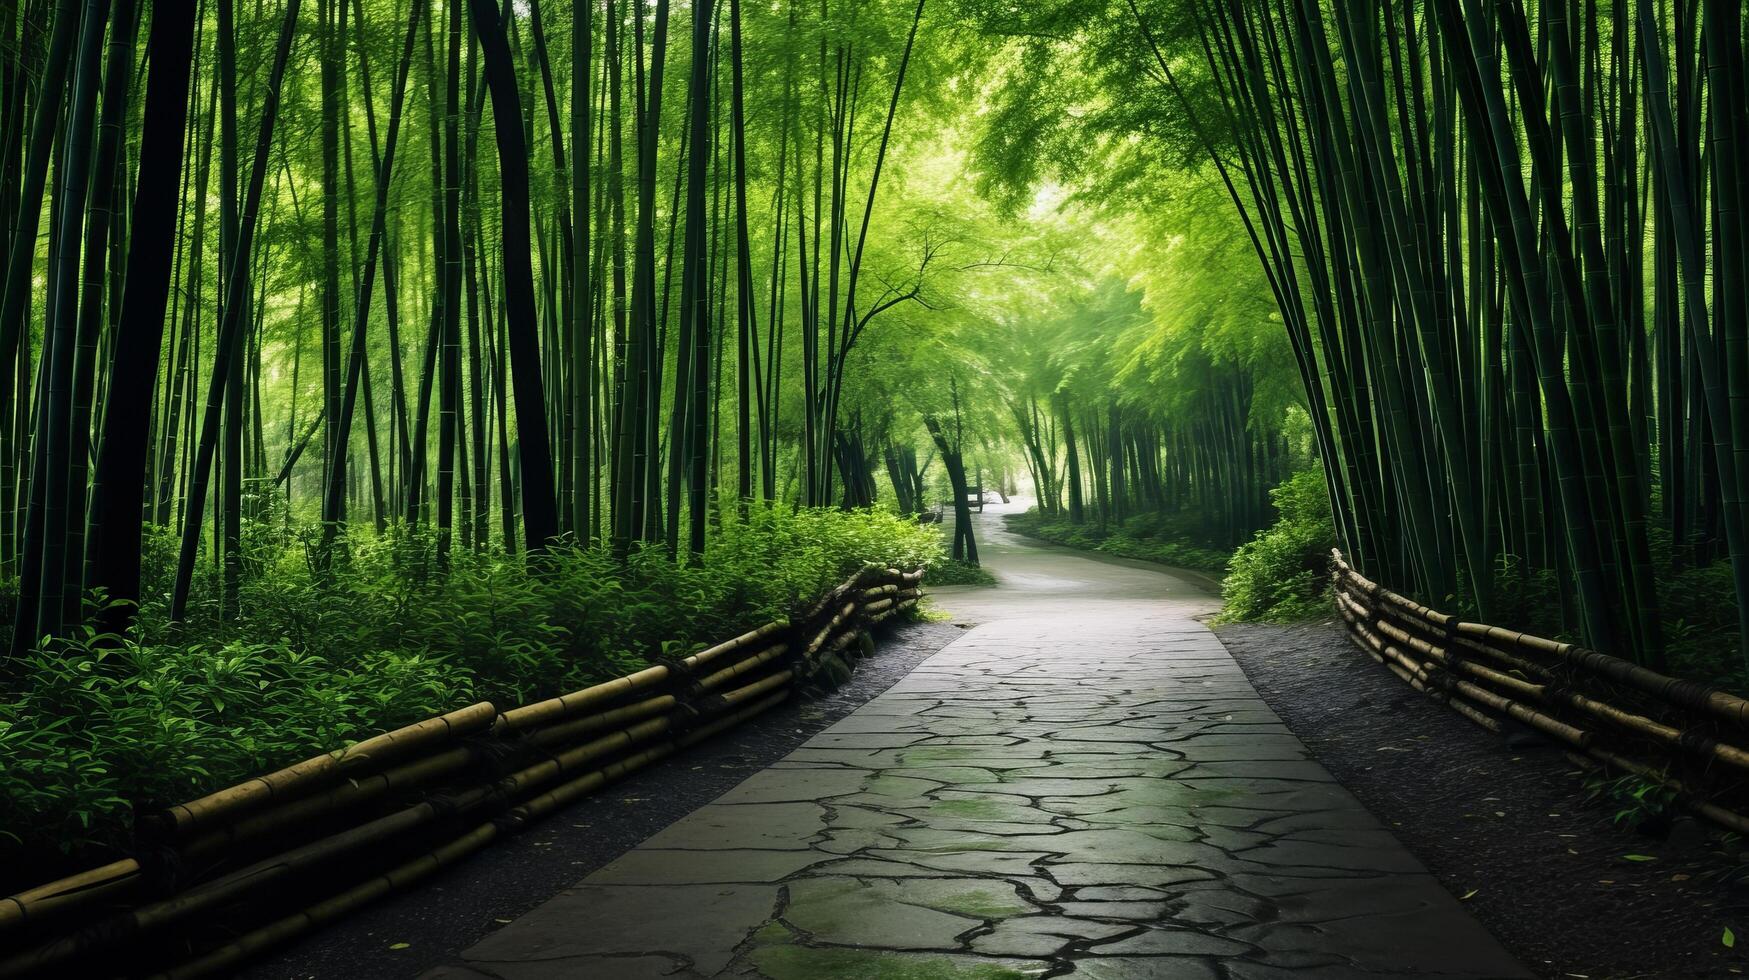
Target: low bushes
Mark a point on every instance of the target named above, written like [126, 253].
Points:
[951, 572]
[1167, 539]
[95, 728]
[1283, 574]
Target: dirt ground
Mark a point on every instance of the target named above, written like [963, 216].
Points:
[1509, 824]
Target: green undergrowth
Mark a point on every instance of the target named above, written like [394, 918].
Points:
[1283, 574]
[94, 728]
[1279, 576]
[951, 572]
[1170, 539]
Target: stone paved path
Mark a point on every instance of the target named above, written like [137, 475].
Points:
[1084, 785]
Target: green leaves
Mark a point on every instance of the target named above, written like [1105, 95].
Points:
[87, 734]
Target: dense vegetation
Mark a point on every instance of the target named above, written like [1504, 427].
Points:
[1505, 243]
[103, 725]
[565, 330]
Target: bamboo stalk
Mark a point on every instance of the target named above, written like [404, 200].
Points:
[340, 797]
[743, 641]
[1411, 671]
[713, 681]
[565, 731]
[541, 772]
[567, 705]
[844, 613]
[1680, 693]
[566, 792]
[184, 818]
[755, 689]
[229, 955]
[74, 891]
[262, 874]
[1704, 746]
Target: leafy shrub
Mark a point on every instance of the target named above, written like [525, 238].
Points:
[1165, 538]
[1698, 614]
[94, 727]
[1283, 574]
[952, 572]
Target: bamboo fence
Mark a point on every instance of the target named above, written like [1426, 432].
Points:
[219, 879]
[1608, 714]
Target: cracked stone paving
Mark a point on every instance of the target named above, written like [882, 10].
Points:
[1083, 785]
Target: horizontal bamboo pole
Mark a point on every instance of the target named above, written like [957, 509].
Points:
[254, 942]
[226, 957]
[732, 719]
[75, 891]
[1354, 613]
[890, 613]
[565, 706]
[1443, 657]
[1673, 691]
[1729, 819]
[569, 760]
[1411, 671]
[342, 797]
[292, 796]
[380, 750]
[712, 681]
[844, 613]
[558, 796]
[1498, 703]
[1690, 695]
[260, 875]
[1702, 744]
[742, 642]
[566, 731]
[741, 695]
[844, 640]
[539, 806]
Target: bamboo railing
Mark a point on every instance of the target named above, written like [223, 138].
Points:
[1607, 713]
[216, 880]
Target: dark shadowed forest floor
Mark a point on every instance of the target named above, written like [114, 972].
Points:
[1506, 823]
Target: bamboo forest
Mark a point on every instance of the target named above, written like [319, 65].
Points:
[874, 488]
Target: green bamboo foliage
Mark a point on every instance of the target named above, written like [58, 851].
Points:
[1507, 244]
[370, 324]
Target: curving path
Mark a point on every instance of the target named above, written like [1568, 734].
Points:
[1083, 785]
